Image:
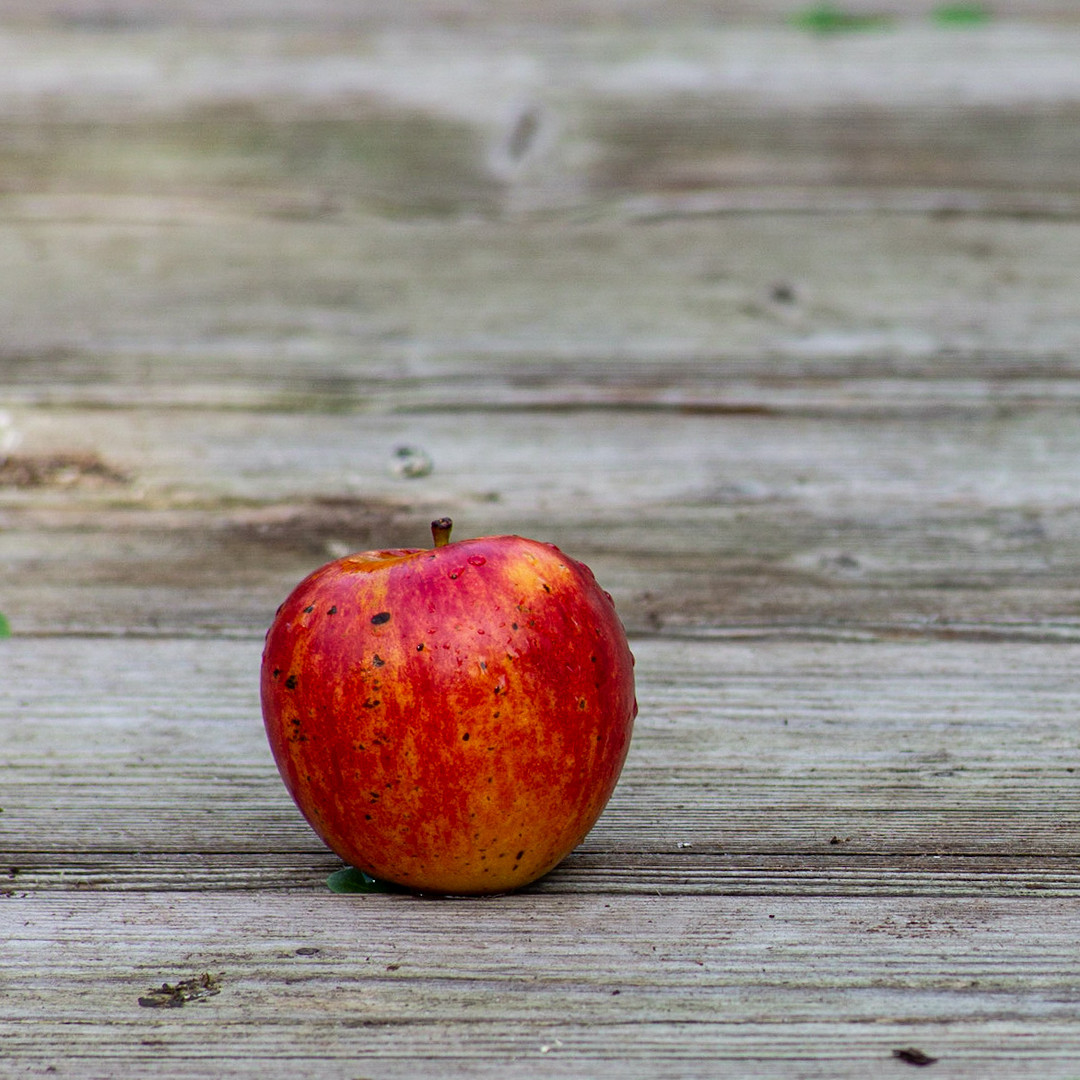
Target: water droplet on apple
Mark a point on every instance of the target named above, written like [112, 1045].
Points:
[477, 560]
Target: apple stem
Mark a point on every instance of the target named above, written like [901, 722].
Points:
[440, 531]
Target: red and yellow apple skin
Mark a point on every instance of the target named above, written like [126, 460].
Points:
[452, 719]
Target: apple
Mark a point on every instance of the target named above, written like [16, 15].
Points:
[451, 719]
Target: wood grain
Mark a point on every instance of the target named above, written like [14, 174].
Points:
[755, 768]
[381, 985]
[121, 15]
[776, 326]
[517, 119]
[807, 313]
[697, 522]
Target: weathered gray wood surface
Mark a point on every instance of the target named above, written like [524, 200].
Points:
[778, 329]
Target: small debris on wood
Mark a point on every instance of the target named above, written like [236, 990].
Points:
[58, 470]
[173, 996]
[782, 293]
[411, 462]
[523, 134]
[913, 1056]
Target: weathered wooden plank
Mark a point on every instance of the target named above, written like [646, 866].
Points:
[830, 769]
[819, 315]
[556, 984]
[125, 15]
[509, 120]
[696, 522]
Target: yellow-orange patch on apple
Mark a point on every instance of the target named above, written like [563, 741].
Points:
[452, 719]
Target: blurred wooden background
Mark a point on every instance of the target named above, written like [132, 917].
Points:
[768, 311]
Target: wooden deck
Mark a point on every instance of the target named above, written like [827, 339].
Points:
[772, 318]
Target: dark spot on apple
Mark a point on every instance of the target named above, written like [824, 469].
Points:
[277, 672]
[309, 609]
[513, 626]
[519, 856]
[333, 610]
[496, 715]
[547, 588]
[465, 737]
[581, 703]
[382, 617]
[420, 647]
[367, 817]
[377, 660]
[290, 683]
[374, 796]
[369, 704]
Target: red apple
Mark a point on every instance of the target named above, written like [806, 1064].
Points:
[451, 719]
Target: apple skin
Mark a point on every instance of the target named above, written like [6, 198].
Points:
[451, 719]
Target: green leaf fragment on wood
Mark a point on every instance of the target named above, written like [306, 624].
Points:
[961, 14]
[352, 880]
[829, 19]
[5, 626]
